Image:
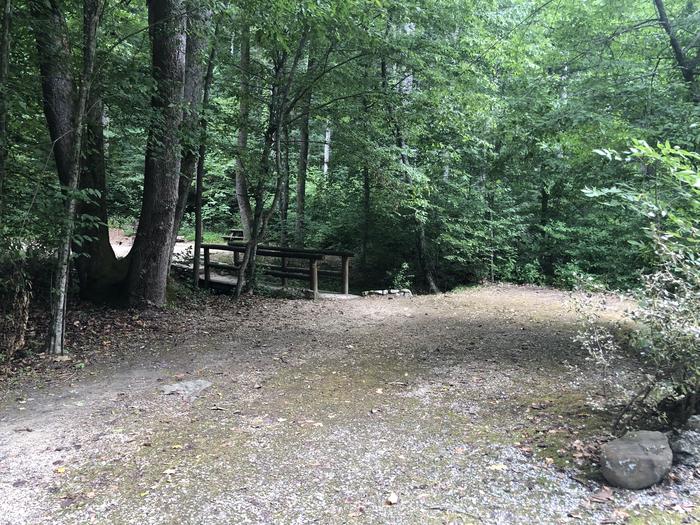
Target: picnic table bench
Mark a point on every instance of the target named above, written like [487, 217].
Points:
[283, 270]
[234, 235]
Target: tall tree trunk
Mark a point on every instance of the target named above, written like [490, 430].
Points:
[261, 217]
[305, 108]
[422, 243]
[425, 263]
[279, 108]
[242, 197]
[150, 255]
[53, 51]
[198, 21]
[100, 273]
[367, 208]
[326, 151]
[92, 11]
[198, 227]
[545, 256]
[4, 74]
[284, 196]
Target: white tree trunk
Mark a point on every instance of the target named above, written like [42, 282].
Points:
[326, 150]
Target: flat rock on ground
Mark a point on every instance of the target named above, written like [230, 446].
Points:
[472, 407]
[186, 389]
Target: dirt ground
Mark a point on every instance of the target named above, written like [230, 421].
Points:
[472, 407]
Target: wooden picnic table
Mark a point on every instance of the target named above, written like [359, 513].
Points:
[283, 270]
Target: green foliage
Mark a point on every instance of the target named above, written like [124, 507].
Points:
[668, 333]
[472, 122]
[401, 278]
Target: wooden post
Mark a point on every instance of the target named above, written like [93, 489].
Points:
[313, 274]
[346, 274]
[207, 270]
[284, 268]
[236, 260]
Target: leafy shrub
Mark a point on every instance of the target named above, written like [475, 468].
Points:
[400, 278]
[667, 336]
[570, 276]
[530, 273]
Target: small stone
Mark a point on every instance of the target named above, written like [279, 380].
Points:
[693, 423]
[186, 389]
[637, 460]
[686, 448]
[394, 292]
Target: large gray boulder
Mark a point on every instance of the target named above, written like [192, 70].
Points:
[637, 460]
[686, 447]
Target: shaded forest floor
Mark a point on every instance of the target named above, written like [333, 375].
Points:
[473, 407]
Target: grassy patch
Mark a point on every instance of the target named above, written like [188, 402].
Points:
[564, 430]
[211, 237]
[661, 517]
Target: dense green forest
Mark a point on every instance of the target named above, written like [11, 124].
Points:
[445, 142]
[507, 190]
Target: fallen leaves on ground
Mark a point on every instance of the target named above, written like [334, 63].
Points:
[603, 495]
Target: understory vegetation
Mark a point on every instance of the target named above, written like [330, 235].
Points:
[444, 142]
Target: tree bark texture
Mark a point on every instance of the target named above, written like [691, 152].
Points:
[150, 255]
[198, 22]
[100, 272]
[92, 10]
[53, 50]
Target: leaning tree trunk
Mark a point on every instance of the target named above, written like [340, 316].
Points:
[92, 11]
[150, 255]
[261, 218]
[279, 108]
[4, 73]
[687, 66]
